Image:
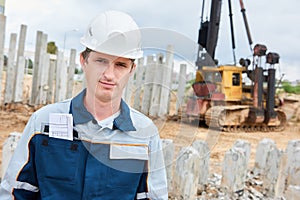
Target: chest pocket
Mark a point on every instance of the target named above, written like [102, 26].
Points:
[127, 151]
[128, 162]
[58, 160]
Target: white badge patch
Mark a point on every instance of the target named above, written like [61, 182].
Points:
[127, 151]
[61, 126]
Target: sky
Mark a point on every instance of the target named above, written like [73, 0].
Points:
[273, 23]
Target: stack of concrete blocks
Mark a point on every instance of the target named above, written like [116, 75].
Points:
[9, 147]
[234, 170]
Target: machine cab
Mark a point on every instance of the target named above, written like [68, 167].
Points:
[225, 79]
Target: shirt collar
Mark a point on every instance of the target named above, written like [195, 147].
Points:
[109, 121]
[80, 114]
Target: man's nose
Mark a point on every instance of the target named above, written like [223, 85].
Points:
[109, 71]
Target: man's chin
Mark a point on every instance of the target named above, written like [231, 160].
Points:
[105, 95]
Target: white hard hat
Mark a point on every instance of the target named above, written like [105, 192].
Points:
[114, 33]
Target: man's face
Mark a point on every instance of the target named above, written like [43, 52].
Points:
[106, 75]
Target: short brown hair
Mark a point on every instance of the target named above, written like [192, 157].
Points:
[85, 54]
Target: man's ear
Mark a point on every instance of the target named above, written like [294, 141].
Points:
[82, 62]
[133, 68]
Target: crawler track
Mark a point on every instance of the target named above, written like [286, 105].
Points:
[234, 119]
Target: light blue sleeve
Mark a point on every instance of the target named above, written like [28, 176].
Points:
[157, 180]
[21, 153]
[18, 160]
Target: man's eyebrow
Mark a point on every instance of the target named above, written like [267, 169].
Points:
[99, 57]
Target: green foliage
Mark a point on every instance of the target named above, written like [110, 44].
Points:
[287, 87]
[189, 84]
[30, 63]
[51, 48]
[5, 60]
[78, 71]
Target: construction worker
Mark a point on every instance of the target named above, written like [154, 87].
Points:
[93, 146]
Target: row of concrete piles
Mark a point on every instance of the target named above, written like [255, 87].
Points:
[48, 69]
[277, 170]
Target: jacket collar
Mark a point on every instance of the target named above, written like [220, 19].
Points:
[80, 114]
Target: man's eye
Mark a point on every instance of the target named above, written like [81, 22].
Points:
[121, 65]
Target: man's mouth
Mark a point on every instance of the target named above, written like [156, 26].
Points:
[107, 85]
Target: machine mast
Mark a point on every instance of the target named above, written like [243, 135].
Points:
[209, 31]
[208, 35]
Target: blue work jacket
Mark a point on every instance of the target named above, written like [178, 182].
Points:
[124, 162]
